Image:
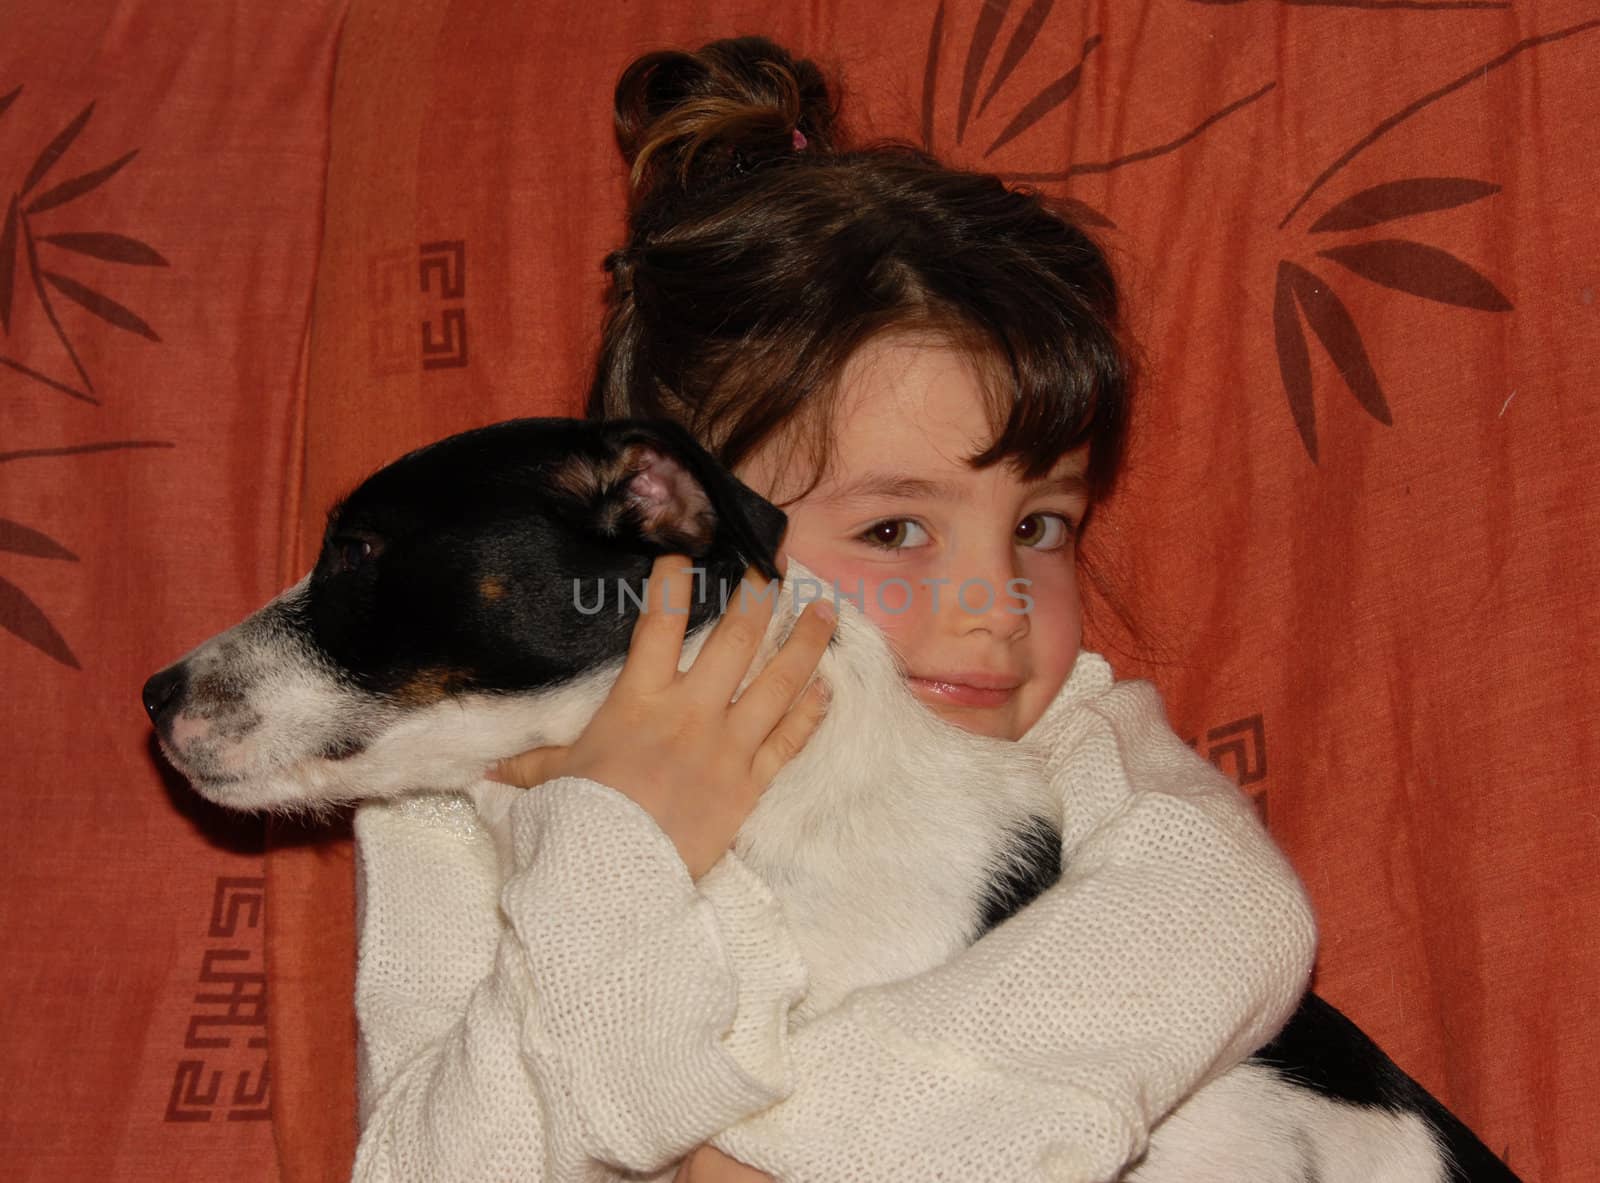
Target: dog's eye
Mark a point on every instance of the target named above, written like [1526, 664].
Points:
[353, 552]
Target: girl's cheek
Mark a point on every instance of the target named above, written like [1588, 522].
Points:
[891, 596]
[1050, 575]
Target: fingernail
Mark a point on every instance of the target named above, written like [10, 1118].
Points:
[825, 610]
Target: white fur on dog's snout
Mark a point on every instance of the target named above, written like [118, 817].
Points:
[262, 710]
[256, 699]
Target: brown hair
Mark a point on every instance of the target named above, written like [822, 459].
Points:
[762, 253]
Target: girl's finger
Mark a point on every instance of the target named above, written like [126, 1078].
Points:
[529, 769]
[657, 641]
[789, 736]
[778, 686]
[725, 659]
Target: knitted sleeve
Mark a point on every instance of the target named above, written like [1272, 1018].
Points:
[1177, 942]
[597, 1015]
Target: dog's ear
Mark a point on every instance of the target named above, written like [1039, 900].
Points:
[656, 477]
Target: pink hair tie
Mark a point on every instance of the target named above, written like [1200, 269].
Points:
[799, 140]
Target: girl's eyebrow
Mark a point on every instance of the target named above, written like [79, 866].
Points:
[904, 487]
[896, 486]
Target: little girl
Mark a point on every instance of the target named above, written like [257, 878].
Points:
[924, 369]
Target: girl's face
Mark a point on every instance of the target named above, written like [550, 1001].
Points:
[971, 573]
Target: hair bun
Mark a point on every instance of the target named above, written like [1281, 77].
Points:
[686, 120]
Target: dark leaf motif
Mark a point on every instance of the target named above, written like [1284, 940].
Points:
[1046, 101]
[49, 309]
[78, 186]
[21, 617]
[1388, 5]
[115, 248]
[990, 17]
[7, 99]
[1085, 214]
[24, 540]
[1086, 168]
[55, 149]
[82, 449]
[1401, 199]
[29, 372]
[1420, 270]
[104, 307]
[930, 76]
[1294, 359]
[1022, 39]
[1336, 329]
[8, 265]
[1400, 5]
[1473, 77]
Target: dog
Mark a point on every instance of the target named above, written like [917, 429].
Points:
[456, 615]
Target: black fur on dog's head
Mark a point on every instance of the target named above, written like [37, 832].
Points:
[493, 560]
[501, 563]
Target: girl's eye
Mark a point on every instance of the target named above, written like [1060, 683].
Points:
[895, 534]
[1044, 531]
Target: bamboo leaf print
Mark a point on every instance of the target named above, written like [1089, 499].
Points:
[24, 540]
[1047, 100]
[990, 17]
[49, 310]
[78, 186]
[7, 99]
[54, 150]
[1401, 199]
[115, 248]
[82, 449]
[930, 76]
[1085, 213]
[104, 307]
[1294, 359]
[1420, 270]
[1336, 329]
[45, 379]
[1022, 38]
[21, 617]
[1472, 77]
[8, 265]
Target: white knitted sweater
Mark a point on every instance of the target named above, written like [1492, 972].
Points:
[600, 1014]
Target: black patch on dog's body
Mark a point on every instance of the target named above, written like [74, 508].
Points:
[1029, 864]
[1321, 1050]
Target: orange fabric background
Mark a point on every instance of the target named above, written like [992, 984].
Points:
[1326, 215]
[142, 506]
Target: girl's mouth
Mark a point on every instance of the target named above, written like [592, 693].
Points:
[959, 693]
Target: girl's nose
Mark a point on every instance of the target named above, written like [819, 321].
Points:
[985, 596]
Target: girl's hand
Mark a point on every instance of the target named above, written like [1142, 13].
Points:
[674, 743]
[710, 1165]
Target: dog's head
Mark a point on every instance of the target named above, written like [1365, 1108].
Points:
[492, 568]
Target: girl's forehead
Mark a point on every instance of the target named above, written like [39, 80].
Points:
[910, 412]
[919, 402]
[895, 372]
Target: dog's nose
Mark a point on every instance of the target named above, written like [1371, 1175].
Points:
[163, 692]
